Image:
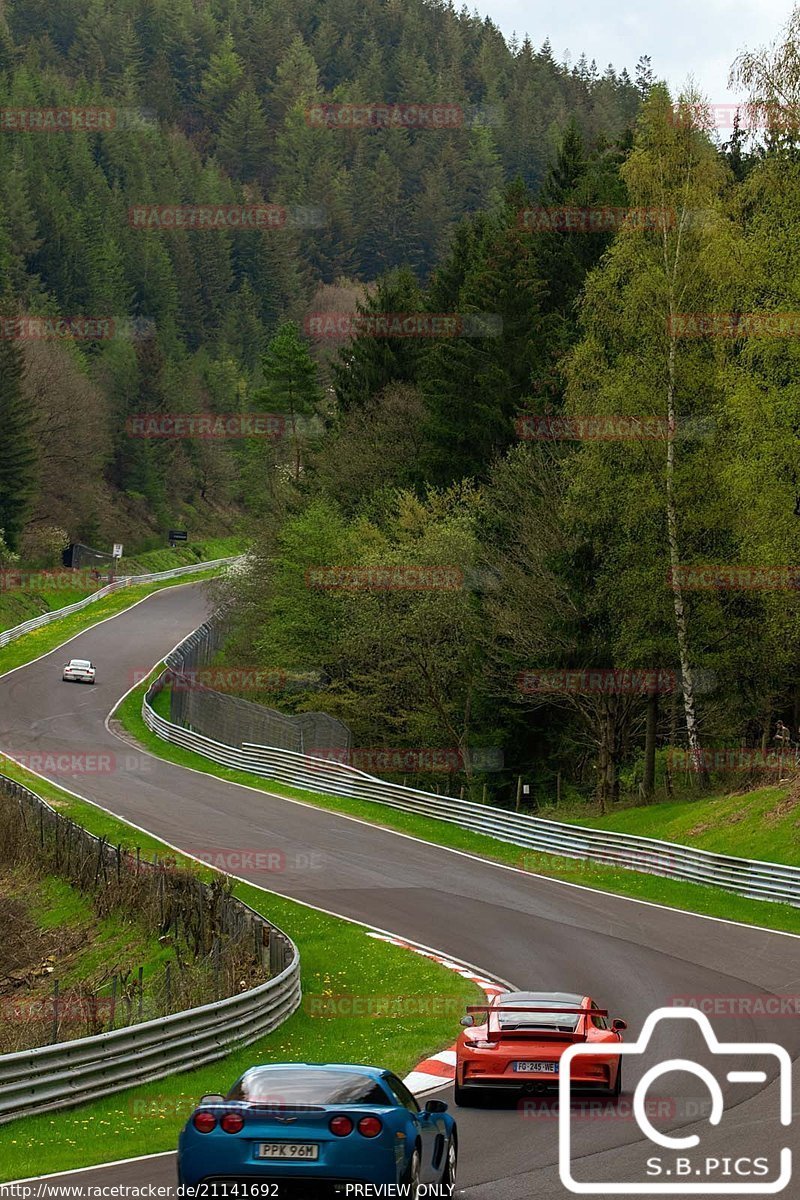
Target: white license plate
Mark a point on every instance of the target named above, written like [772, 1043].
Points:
[304, 1150]
[548, 1068]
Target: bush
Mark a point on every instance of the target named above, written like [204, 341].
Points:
[41, 545]
[7, 555]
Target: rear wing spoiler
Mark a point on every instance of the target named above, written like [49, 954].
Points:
[533, 1008]
[543, 1031]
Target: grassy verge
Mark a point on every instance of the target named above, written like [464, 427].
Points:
[54, 933]
[337, 959]
[18, 604]
[103, 945]
[182, 555]
[49, 637]
[690, 897]
[764, 823]
[24, 603]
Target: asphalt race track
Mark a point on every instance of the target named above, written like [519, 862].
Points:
[531, 931]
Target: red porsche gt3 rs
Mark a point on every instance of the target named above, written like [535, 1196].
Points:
[516, 1041]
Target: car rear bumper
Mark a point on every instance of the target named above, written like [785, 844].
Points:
[523, 1083]
[194, 1168]
[534, 1081]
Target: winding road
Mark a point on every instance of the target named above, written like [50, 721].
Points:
[535, 932]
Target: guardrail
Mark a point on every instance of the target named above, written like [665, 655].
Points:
[10, 635]
[233, 719]
[746, 877]
[52, 1077]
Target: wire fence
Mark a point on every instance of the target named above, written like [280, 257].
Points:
[81, 556]
[232, 719]
[757, 879]
[210, 945]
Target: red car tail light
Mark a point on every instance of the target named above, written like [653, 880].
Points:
[341, 1126]
[204, 1122]
[232, 1122]
[370, 1126]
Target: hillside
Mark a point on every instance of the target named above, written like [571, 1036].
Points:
[154, 104]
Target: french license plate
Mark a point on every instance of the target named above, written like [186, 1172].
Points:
[548, 1068]
[304, 1150]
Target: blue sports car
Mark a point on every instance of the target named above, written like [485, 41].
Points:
[313, 1128]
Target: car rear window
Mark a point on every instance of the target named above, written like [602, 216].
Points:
[564, 1022]
[307, 1087]
[80, 662]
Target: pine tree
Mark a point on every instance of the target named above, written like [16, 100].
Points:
[221, 82]
[734, 150]
[7, 51]
[368, 363]
[644, 76]
[144, 464]
[291, 385]
[475, 383]
[296, 82]
[18, 459]
[565, 258]
[244, 137]
[569, 167]
[20, 221]
[430, 221]
[384, 224]
[482, 173]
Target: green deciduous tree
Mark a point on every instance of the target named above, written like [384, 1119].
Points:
[633, 362]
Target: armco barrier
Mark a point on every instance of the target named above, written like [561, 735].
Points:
[52, 1077]
[235, 720]
[747, 877]
[10, 635]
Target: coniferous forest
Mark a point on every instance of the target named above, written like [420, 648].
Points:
[663, 542]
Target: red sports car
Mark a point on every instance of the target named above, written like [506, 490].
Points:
[516, 1041]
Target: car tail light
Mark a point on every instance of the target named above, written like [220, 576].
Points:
[204, 1122]
[370, 1126]
[482, 1045]
[341, 1126]
[232, 1122]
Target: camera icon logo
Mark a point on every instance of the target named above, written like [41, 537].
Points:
[675, 1178]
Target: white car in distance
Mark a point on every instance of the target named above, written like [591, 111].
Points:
[78, 670]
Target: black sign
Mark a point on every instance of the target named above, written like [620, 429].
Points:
[178, 535]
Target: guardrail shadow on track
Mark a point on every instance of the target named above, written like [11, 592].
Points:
[753, 878]
[53, 1076]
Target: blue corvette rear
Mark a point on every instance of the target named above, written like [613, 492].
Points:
[313, 1128]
